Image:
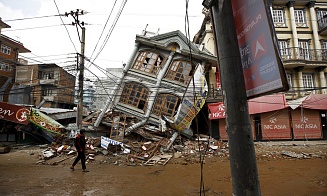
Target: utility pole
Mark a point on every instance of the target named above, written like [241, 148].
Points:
[243, 165]
[81, 82]
[80, 104]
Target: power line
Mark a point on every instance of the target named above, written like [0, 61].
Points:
[112, 28]
[7, 30]
[17, 19]
[96, 45]
[65, 26]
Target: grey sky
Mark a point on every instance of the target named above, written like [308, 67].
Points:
[47, 37]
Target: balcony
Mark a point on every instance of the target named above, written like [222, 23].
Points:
[296, 53]
[49, 98]
[49, 81]
[214, 94]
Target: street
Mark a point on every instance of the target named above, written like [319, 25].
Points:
[279, 175]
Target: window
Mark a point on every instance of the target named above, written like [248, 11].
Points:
[324, 49]
[5, 67]
[304, 50]
[5, 49]
[135, 95]
[307, 81]
[289, 80]
[149, 62]
[284, 48]
[321, 14]
[299, 17]
[47, 92]
[166, 104]
[47, 75]
[321, 18]
[278, 17]
[180, 71]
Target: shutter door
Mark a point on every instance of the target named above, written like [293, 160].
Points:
[222, 128]
[306, 124]
[276, 125]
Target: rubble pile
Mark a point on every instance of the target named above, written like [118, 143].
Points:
[150, 145]
[133, 152]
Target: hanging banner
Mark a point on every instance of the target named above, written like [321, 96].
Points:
[262, 66]
[216, 110]
[194, 99]
[13, 113]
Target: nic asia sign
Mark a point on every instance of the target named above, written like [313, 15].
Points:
[262, 68]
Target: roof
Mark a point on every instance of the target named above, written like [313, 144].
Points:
[3, 24]
[14, 43]
[58, 113]
[163, 41]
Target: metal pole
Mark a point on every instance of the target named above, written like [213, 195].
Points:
[80, 83]
[241, 145]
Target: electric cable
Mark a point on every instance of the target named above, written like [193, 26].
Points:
[65, 26]
[17, 19]
[96, 45]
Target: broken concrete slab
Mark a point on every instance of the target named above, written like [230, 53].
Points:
[158, 159]
[4, 149]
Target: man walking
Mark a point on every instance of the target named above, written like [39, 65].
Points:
[80, 147]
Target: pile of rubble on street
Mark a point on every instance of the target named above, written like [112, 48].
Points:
[149, 153]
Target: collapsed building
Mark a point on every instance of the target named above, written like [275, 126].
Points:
[163, 81]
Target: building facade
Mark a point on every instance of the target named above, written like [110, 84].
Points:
[9, 61]
[50, 86]
[301, 31]
[104, 87]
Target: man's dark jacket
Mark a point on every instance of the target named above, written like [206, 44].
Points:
[80, 143]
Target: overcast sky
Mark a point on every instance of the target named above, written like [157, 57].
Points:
[47, 38]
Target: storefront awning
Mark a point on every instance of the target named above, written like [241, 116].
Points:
[313, 101]
[257, 105]
[267, 103]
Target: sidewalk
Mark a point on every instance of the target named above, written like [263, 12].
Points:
[292, 143]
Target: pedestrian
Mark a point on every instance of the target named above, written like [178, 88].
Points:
[80, 147]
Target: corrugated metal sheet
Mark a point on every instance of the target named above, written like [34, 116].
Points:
[276, 125]
[306, 124]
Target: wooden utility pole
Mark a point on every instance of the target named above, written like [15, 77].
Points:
[241, 145]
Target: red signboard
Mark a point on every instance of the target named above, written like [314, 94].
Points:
[216, 110]
[13, 113]
[262, 67]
